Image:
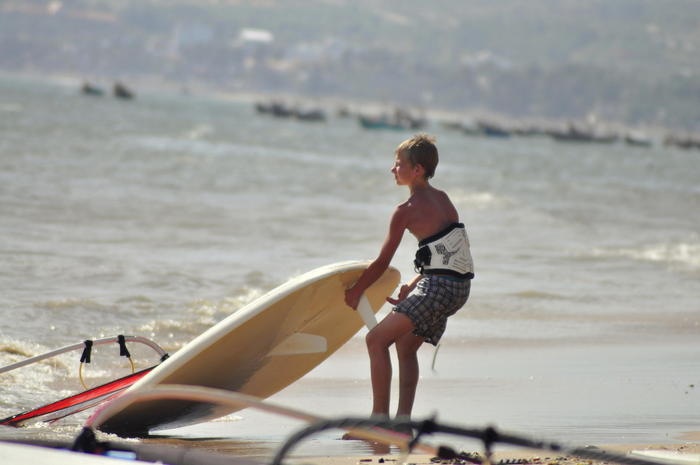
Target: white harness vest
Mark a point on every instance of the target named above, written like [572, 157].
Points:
[446, 252]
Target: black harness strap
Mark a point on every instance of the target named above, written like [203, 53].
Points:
[85, 358]
[123, 351]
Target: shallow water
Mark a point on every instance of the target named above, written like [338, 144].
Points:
[161, 216]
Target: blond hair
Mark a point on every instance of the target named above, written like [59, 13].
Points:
[421, 150]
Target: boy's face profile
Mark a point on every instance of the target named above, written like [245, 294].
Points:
[404, 171]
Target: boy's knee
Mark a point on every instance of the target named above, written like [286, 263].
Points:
[374, 341]
[370, 340]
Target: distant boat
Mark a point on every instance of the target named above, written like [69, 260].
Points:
[275, 108]
[399, 120]
[492, 129]
[379, 122]
[90, 89]
[343, 111]
[684, 141]
[638, 139]
[263, 107]
[283, 110]
[575, 134]
[310, 114]
[465, 126]
[122, 92]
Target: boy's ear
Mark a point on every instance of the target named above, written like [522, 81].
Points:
[420, 168]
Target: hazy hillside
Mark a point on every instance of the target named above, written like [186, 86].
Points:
[658, 37]
[627, 60]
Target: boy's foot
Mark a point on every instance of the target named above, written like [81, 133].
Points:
[378, 448]
[403, 429]
[349, 436]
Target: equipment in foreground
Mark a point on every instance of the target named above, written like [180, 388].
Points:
[90, 397]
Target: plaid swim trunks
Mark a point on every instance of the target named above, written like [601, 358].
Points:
[434, 299]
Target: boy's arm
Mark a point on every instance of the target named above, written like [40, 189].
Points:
[381, 263]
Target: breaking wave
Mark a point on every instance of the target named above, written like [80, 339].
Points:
[683, 255]
[478, 200]
[173, 333]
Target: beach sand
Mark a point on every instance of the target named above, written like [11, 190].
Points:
[578, 395]
[504, 455]
[508, 457]
[362, 452]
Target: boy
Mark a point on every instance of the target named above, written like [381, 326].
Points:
[445, 269]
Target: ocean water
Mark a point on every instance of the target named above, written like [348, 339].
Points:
[160, 216]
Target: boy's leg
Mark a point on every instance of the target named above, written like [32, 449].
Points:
[407, 351]
[379, 339]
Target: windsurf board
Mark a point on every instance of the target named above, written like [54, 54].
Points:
[260, 349]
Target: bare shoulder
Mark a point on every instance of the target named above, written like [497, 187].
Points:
[403, 213]
[442, 195]
[440, 200]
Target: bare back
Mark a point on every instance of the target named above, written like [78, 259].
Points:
[428, 212]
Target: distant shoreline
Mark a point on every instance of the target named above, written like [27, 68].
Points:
[155, 85]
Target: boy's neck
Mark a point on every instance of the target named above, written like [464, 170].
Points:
[419, 186]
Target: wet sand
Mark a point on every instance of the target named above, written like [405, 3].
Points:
[688, 445]
[376, 453]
